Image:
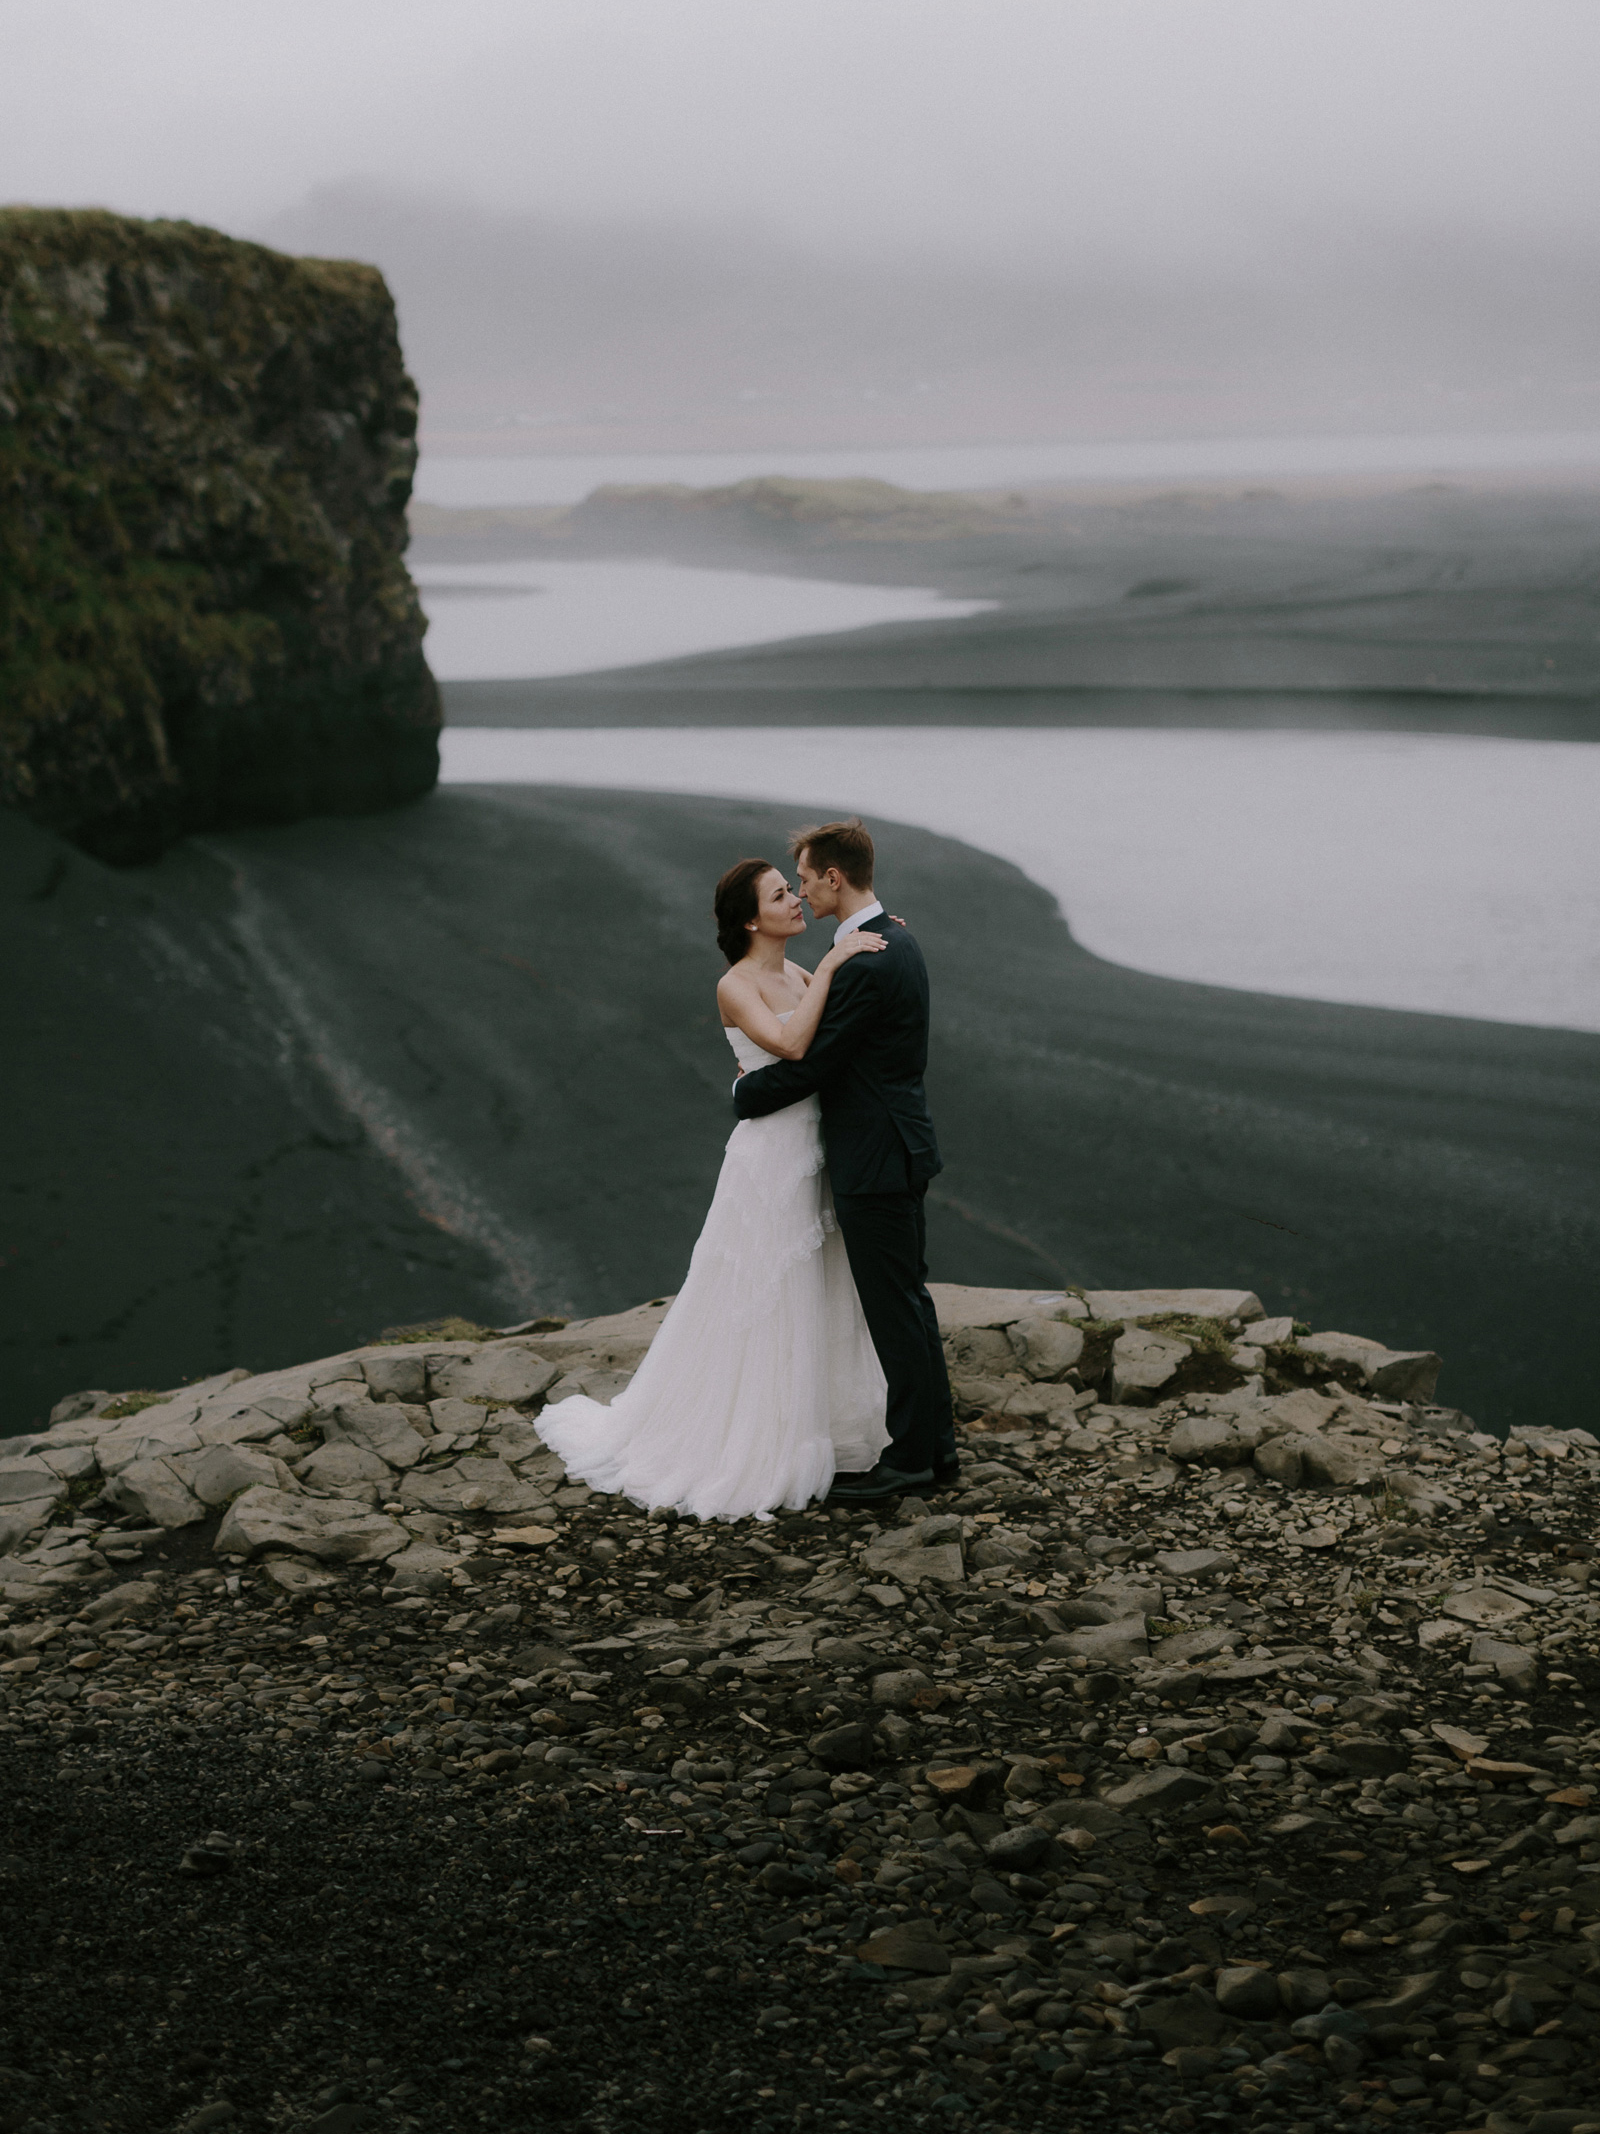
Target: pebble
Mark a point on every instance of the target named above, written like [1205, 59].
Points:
[815, 1852]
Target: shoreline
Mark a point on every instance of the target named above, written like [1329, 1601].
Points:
[316, 1033]
[1422, 610]
[657, 696]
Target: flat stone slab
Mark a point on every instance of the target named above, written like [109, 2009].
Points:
[471, 1486]
[220, 1471]
[23, 1480]
[329, 1529]
[907, 1948]
[942, 1563]
[1108, 1643]
[1195, 1563]
[958, 1304]
[617, 1339]
[299, 1574]
[1484, 1604]
[1156, 1791]
[1389, 1374]
[1141, 1304]
[507, 1372]
[1189, 1646]
[1142, 1362]
[155, 1491]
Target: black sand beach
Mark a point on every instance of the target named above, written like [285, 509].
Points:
[1439, 609]
[291, 1086]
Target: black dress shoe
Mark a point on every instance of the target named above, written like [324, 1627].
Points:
[947, 1477]
[878, 1482]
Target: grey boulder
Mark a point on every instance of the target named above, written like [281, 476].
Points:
[1208, 1441]
[328, 1529]
[222, 1471]
[1192, 1645]
[1248, 1992]
[298, 1574]
[381, 1428]
[1195, 1563]
[400, 1375]
[1155, 1792]
[1514, 1665]
[508, 1373]
[421, 1569]
[899, 1688]
[471, 1485]
[1224, 1304]
[1142, 1363]
[1485, 1605]
[1191, 2018]
[344, 1469]
[1386, 1374]
[155, 1491]
[1019, 1851]
[1046, 1347]
[18, 1521]
[1108, 1644]
[1302, 1459]
[991, 1554]
[912, 1947]
[22, 1481]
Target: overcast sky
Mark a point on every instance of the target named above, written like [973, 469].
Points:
[1039, 127]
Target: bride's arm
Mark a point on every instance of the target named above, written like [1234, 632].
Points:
[739, 997]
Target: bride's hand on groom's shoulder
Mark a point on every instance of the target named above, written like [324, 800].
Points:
[860, 943]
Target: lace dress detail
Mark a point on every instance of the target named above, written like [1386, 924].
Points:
[762, 1379]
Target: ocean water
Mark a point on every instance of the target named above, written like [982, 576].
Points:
[1450, 874]
[523, 620]
[568, 478]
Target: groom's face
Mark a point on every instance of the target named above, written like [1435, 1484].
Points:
[818, 890]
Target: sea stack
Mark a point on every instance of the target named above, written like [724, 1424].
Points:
[206, 452]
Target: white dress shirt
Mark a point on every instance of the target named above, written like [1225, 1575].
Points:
[857, 918]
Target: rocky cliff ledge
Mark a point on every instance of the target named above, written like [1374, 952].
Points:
[1221, 1751]
[206, 452]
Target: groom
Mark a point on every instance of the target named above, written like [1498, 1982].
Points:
[866, 1064]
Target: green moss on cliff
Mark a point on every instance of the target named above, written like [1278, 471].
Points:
[206, 451]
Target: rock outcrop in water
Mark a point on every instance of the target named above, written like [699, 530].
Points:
[206, 451]
[1142, 1778]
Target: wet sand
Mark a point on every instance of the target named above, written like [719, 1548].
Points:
[1440, 609]
[294, 1085]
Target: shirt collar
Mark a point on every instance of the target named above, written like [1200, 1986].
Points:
[858, 918]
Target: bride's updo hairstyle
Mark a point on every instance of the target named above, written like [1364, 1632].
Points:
[735, 904]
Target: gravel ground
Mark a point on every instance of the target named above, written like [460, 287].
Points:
[522, 1852]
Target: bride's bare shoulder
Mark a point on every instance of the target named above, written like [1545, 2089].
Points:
[733, 987]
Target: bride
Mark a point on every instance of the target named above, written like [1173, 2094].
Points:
[762, 1379]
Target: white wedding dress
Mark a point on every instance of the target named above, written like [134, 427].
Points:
[762, 1379]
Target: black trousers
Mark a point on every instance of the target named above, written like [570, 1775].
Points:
[885, 1236]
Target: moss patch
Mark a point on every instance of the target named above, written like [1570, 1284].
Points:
[447, 1329]
[130, 1404]
[79, 1493]
[1099, 1338]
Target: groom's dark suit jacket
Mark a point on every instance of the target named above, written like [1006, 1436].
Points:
[866, 1064]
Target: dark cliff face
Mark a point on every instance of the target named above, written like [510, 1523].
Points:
[206, 451]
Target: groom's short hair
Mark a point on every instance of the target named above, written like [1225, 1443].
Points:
[845, 845]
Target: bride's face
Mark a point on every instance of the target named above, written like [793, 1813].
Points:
[778, 912]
